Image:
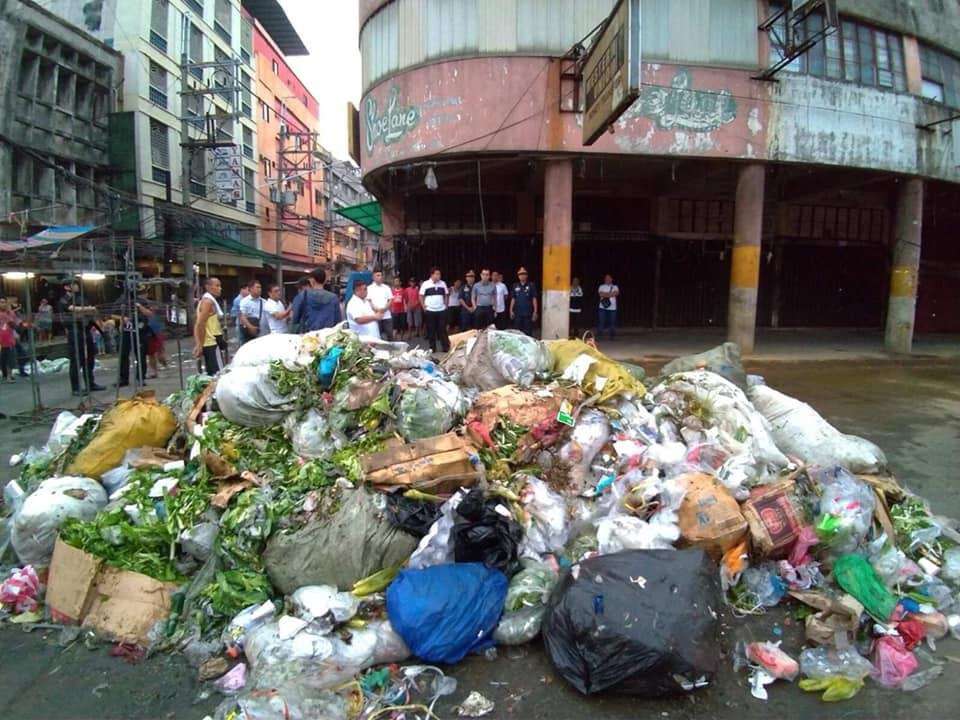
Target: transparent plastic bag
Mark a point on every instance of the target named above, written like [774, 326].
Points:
[950, 571]
[589, 435]
[311, 435]
[546, 527]
[625, 532]
[825, 662]
[519, 626]
[846, 509]
[764, 584]
[429, 406]
[518, 357]
[531, 587]
[436, 547]
[892, 565]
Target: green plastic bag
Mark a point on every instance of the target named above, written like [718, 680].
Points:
[856, 576]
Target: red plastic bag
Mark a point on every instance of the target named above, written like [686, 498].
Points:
[912, 631]
[892, 662]
[21, 589]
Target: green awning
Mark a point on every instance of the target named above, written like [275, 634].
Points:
[227, 244]
[366, 215]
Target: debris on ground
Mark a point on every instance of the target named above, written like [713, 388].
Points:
[328, 511]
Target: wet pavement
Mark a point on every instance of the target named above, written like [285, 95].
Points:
[911, 408]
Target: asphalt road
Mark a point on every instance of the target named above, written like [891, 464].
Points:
[910, 408]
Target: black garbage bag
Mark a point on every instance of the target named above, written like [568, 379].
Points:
[640, 622]
[412, 516]
[484, 531]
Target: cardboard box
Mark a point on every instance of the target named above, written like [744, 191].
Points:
[775, 519]
[440, 465]
[709, 516]
[458, 339]
[117, 604]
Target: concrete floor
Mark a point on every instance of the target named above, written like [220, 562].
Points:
[909, 407]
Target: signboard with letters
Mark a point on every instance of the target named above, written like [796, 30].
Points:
[611, 70]
[228, 173]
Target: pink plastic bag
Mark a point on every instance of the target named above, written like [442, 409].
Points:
[21, 589]
[892, 662]
[808, 538]
[774, 660]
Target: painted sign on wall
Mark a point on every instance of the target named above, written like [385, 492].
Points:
[391, 125]
[683, 107]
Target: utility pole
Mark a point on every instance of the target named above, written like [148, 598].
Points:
[303, 158]
[278, 198]
[225, 82]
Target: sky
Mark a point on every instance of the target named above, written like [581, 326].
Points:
[332, 69]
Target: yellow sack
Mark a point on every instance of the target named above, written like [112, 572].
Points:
[138, 422]
[618, 378]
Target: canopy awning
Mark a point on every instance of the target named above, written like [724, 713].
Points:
[54, 235]
[366, 215]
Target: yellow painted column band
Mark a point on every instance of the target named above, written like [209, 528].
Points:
[745, 271]
[903, 282]
[556, 267]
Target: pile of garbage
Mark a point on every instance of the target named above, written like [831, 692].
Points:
[329, 507]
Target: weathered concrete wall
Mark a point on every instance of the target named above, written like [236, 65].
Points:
[512, 105]
[922, 18]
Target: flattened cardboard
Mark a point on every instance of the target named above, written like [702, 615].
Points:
[411, 452]
[70, 583]
[710, 516]
[126, 605]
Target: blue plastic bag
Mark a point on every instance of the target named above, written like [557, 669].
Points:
[329, 364]
[445, 612]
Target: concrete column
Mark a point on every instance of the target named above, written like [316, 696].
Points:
[745, 265]
[557, 246]
[902, 306]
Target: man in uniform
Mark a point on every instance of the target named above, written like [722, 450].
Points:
[523, 303]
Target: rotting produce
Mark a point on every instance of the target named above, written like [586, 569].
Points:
[327, 508]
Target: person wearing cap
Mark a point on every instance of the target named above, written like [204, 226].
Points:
[466, 301]
[523, 303]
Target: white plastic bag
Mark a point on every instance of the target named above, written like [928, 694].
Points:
[589, 435]
[546, 527]
[436, 547]
[626, 532]
[799, 430]
[518, 357]
[267, 349]
[311, 435]
[315, 601]
[64, 430]
[741, 429]
[36, 523]
[247, 396]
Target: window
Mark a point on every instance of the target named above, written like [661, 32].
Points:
[159, 151]
[248, 142]
[855, 52]
[196, 6]
[250, 190]
[159, 13]
[223, 19]
[222, 78]
[246, 40]
[264, 111]
[225, 130]
[275, 66]
[941, 76]
[246, 95]
[198, 172]
[158, 85]
[196, 50]
[317, 198]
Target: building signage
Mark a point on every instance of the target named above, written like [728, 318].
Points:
[395, 121]
[681, 107]
[228, 173]
[611, 71]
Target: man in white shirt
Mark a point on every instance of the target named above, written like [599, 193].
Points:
[380, 294]
[253, 321]
[363, 319]
[276, 313]
[500, 306]
[607, 312]
[433, 297]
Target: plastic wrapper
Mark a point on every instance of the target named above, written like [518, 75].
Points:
[800, 431]
[773, 660]
[445, 612]
[290, 700]
[597, 629]
[311, 435]
[531, 587]
[519, 627]
[21, 591]
[485, 532]
[589, 435]
[35, 524]
[546, 528]
[846, 509]
[198, 540]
